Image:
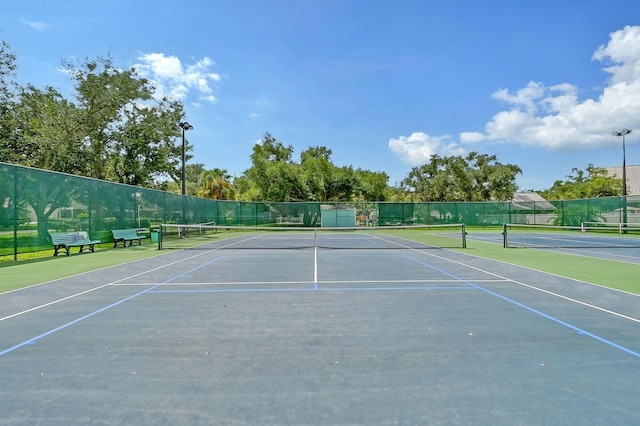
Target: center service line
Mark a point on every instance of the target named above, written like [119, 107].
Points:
[315, 267]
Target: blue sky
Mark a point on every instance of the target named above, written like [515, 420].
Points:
[383, 84]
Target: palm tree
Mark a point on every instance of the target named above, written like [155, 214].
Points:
[215, 184]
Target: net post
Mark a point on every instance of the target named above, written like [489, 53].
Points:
[504, 236]
[160, 232]
[464, 236]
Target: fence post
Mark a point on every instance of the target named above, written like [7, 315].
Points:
[15, 214]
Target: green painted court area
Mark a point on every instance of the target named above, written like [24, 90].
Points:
[617, 274]
[396, 326]
[42, 270]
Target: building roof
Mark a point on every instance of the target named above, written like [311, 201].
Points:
[633, 177]
[525, 200]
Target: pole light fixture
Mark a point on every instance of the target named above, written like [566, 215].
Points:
[622, 133]
[184, 126]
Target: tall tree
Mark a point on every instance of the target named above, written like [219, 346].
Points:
[318, 173]
[474, 177]
[274, 174]
[372, 186]
[144, 148]
[8, 136]
[7, 71]
[114, 129]
[590, 183]
[119, 117]
[47, 132]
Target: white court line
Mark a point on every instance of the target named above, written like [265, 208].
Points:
[215, 283]
[53, 302]
[407, 281]
[607, 256]
[551, 293]
[35, 308]
[240, 283]
[315, 266]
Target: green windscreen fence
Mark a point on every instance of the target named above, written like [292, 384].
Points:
[35, 203]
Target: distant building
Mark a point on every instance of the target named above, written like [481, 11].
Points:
[633, 177]
[530, 199]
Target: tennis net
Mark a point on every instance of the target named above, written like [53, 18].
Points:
[175, 236]
[549, 236]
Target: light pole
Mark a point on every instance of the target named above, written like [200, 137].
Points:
[622, 133]
[138, 196]
[184, 126]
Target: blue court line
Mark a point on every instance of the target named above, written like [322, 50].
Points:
[35, 339]
[192, 270]
[77, 320]
[530, 309]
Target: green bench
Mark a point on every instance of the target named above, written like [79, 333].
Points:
[64, 241]
[125, 236]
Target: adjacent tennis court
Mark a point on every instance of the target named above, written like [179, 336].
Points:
[322, 328]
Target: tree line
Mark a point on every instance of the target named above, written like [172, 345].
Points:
[115, 128]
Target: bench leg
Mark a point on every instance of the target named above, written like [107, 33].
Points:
[56, 250]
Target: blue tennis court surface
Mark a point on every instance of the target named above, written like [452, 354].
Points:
[622, 248]
[319, 337]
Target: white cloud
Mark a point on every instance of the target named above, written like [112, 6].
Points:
[471, 137]
[524, 98]
[418, 148]
[553, 117]
[171, 78]
[623, 51]
[37, 25]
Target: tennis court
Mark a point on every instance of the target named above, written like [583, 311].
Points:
[338, 328]
[613, 243]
